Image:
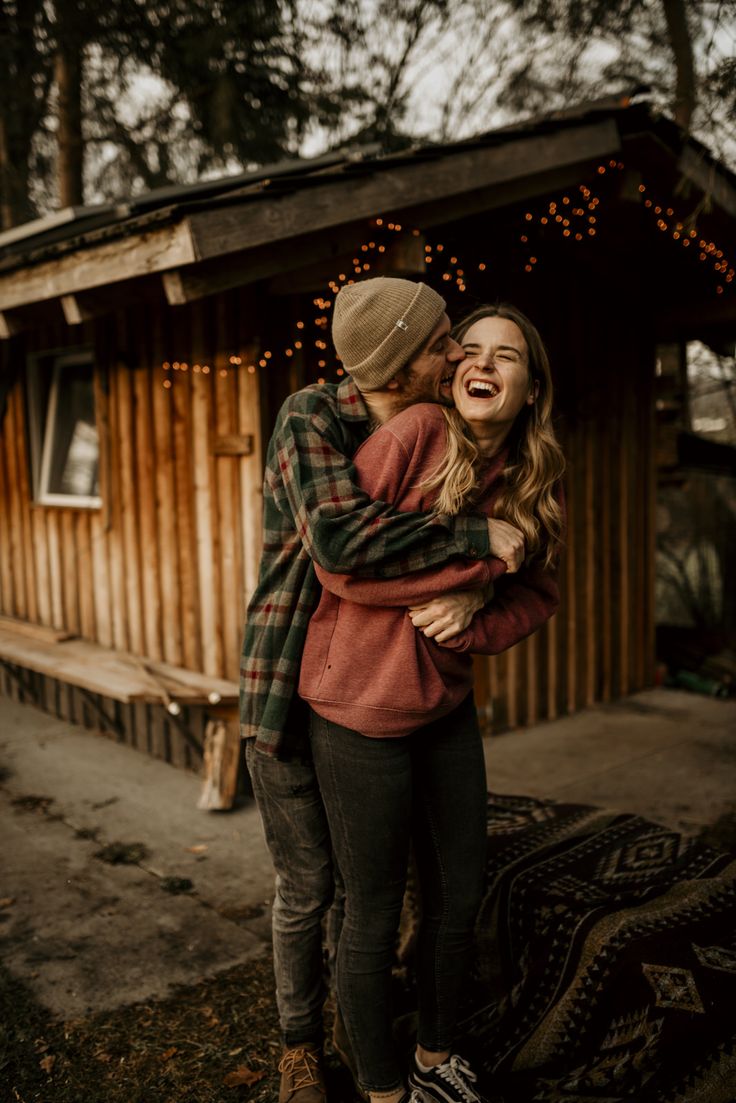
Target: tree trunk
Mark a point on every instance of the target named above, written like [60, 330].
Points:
[682, 48]
[68, 74]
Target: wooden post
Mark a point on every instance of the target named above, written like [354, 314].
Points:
[222, 755]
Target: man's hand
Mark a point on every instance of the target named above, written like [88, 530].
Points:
[507, 543]
[445, 616]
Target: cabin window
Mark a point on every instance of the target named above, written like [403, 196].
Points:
[64, 436]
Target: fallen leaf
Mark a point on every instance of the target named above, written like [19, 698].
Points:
[7, 901]
[242, 1075]
[235, 1052]
[168, 1053]
[199, 848]
[48, 1063]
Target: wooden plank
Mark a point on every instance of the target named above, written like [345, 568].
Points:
[624, 543]
[606, 569]
[53, 522]
[137, 254]
[113, 674]
[251, 478]
[17, 400]
[6, 569]
[168, 600]
[41, 564]
[87, 620]
[590, 573]
[115, 534]
[553, 668]
[512, 686]
[233, 227]
[150, 503]
[38, 632]
[13, 520]
[532, 680]
[571, 568]
[100, 581]
[228, 509]
[128, 475]
[69, 576]
[210, 626]
[180, 397]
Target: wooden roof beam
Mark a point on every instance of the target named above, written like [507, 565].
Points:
[96, 266]
[402, 187]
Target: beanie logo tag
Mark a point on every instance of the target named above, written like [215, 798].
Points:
[401, 324]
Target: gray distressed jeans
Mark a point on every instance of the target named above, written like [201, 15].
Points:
[298, 838]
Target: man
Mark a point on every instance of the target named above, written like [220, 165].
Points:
[393, 337]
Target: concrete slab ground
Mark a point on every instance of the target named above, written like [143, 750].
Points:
[88, 935]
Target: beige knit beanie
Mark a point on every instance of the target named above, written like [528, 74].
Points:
[379, 324]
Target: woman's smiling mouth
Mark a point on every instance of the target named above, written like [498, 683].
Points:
[481, 388]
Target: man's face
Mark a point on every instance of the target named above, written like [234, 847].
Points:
[428, 376]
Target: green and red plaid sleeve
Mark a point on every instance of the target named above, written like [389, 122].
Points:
[314, 509]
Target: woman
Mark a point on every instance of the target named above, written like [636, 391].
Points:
[394, 733]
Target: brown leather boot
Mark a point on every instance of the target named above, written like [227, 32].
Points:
[302, 1077]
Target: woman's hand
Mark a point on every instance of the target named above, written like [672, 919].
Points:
[445, 616]
[507, 543]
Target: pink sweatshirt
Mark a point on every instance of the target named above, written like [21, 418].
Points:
[364, 665]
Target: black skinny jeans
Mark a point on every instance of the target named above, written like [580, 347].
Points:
[380, 795]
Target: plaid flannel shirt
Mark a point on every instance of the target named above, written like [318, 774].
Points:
[315, 510]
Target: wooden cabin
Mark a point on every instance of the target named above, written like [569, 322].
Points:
[146, 348]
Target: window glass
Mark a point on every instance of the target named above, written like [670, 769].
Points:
[75, 452]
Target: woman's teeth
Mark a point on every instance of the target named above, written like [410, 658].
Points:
[478, 388]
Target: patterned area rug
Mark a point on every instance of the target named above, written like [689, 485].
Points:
[606, 964]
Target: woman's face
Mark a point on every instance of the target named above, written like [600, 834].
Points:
[492, 383]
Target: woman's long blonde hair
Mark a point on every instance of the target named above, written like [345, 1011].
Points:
[535, 463]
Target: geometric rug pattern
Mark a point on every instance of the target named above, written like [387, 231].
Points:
[605, 965]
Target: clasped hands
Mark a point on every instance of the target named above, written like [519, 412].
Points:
[443, 617]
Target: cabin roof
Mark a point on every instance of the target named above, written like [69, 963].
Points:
[259, 223]
[73, 228]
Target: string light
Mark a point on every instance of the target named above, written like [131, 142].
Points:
[584, 212]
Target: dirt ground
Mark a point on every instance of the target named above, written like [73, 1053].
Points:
[134, 930]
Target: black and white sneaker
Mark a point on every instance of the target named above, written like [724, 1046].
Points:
[451, 1082]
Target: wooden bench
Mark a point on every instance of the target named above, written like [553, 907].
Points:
[121, 676]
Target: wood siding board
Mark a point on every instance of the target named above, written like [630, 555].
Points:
[53, 535]
[69, 575]
[17, 399]
[128, 475]
[100, 581]
[148, 460]
[120, 625]
[180, 396]
[87, 620]
[222, 342]
[210, 623]
[166, 505]
[6, 568]
[625, 541]
[41, 557]
[606, 562]
[18, 597]
[571, 569]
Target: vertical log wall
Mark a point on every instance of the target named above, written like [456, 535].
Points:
[164, 568]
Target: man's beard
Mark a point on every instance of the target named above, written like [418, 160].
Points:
[415, 389]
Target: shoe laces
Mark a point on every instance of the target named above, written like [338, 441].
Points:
[457, 1072]
[302, 1065]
